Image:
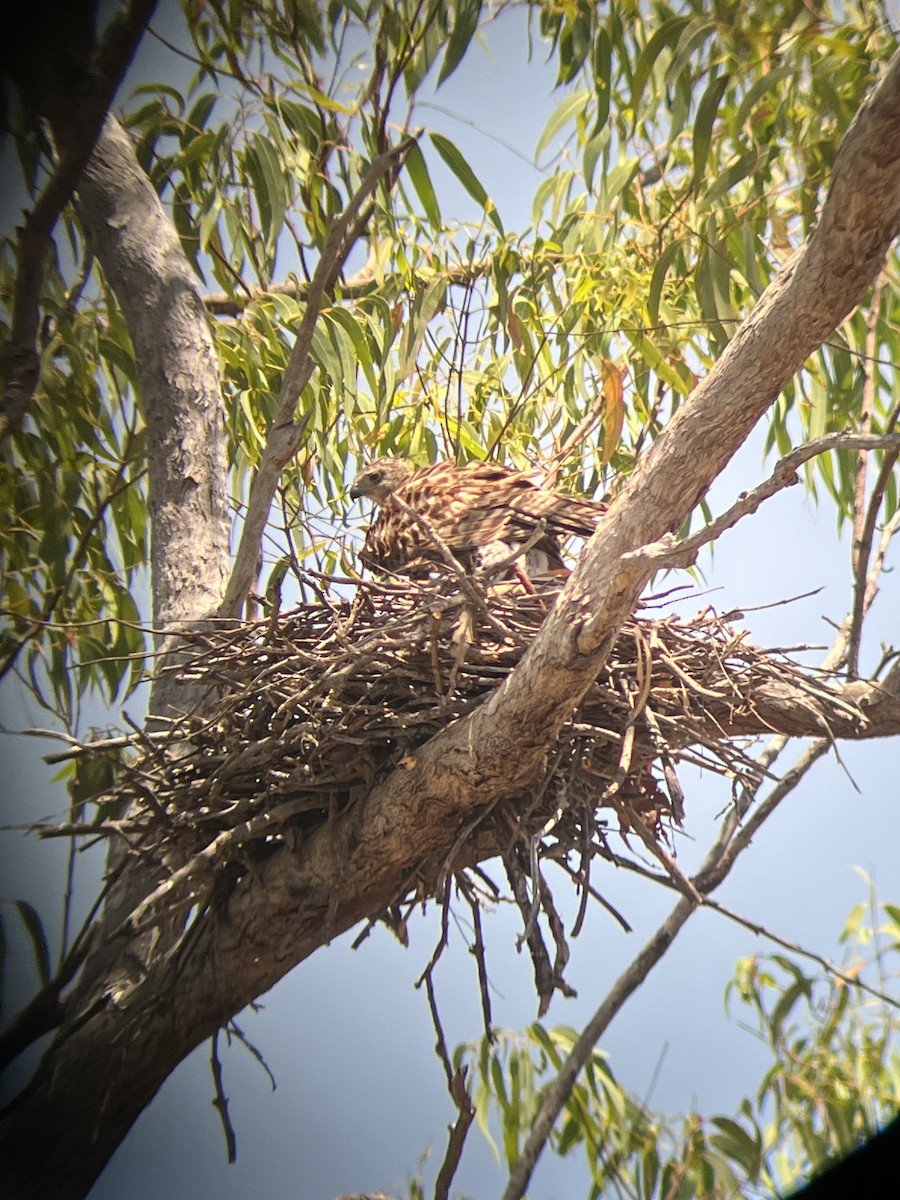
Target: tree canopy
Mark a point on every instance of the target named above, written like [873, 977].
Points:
[224, 296]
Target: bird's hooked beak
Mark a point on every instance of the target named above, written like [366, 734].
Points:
[355, 493]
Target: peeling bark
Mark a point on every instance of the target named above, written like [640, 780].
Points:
[179, 381]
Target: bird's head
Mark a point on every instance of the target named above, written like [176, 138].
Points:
[380, 478]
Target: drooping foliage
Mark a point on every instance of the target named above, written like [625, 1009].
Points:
[833, 1082]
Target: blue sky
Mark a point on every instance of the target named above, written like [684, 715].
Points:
[360, 1094]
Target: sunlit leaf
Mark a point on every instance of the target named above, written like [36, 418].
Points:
[421, 181]
[563, 114]
[466, 176]
[707, 111]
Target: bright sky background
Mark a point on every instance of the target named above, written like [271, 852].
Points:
[360, 1094]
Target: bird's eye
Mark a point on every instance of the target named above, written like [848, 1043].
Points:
[376, 476]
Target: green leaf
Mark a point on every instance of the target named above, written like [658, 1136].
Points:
[466, 176]
[543, 1038]
[421, 181]
[666, 35]
[680, 70]
[657, 280]
[269, 187]
[34, 928]
[602, 79]
[323, 353]
[199, 115]
[573, 105]
[427, 303]
[703, 127]
[592, 153]
[739, 169]
[464, 28]
[351, 327]
[324, 101]
[737, 1144]
[574, 46]
[154, 89]
[787, 1000]
[752, 252]
[893, 911]
[768, 83]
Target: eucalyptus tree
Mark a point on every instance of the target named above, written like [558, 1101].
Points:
[225, 296]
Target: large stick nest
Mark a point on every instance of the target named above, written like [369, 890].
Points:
[303, 712]
[306, 710]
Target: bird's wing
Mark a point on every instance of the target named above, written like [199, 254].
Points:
[507, 505]
[480, 504]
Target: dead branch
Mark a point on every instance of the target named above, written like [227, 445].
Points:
[667, 553]
[864, 581]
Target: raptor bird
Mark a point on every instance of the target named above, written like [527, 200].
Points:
[482, 512]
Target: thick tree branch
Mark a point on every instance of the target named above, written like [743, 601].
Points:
[221, 304]
[142, 258]
[77, 120]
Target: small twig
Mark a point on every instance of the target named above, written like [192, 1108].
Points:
[205, 861]
[611, 909]
[220, 1100]
[465, 580]
[496, 569]
[440, 1045]
[761, 931]
[865, 420]
[671, 553]
[801, 951]
[709, 877]
[463, 1101]
[478, 951]
[544, 979]
[676, 793]
[864, 581]
[443, 899]
[234, 1030]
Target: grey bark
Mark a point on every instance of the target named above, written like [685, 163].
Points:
[114, 1052]
[179, 382]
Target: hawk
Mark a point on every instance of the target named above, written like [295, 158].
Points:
[482, 512]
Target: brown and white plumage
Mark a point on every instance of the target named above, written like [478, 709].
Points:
[481, 511]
